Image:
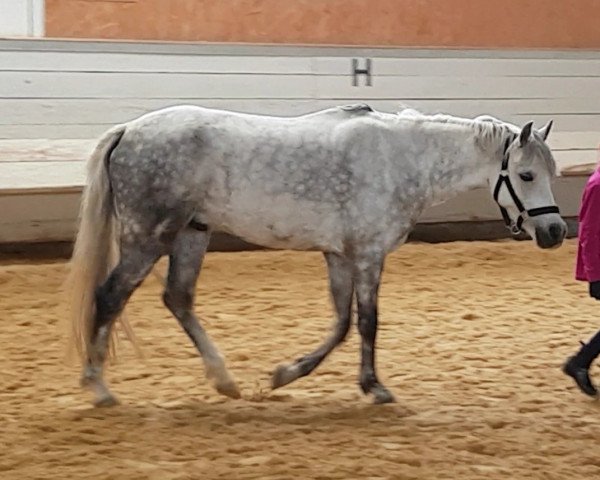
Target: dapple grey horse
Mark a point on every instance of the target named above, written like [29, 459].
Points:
[347, 181]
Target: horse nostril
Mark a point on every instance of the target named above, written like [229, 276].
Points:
[556, 231]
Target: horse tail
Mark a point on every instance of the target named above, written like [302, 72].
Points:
[95, 252]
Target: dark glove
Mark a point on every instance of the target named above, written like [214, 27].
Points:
[595, 290]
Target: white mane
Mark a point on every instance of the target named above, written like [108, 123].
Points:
[490, 131]
[489, 128]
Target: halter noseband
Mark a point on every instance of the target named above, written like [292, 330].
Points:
[503, 178]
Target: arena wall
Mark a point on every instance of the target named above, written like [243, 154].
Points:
[408, 23]
[58, 96]
[106, 62]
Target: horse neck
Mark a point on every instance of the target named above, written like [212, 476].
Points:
[457, 161]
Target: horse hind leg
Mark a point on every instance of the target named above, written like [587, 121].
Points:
[111, 297]
[341, 287]
[185, 263]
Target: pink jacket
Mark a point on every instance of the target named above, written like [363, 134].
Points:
[588, 251]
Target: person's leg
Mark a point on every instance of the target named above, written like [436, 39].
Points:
[578, 365]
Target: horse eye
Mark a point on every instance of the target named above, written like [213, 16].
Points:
[526, 176]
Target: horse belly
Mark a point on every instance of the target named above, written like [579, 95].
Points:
[279, 224]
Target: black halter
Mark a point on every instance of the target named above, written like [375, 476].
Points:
[515, 226]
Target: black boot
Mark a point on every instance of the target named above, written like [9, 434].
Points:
[578, 366]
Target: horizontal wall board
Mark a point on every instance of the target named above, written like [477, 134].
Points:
[463, 87]
[245, 49]
[34, 84]
[132, 63]
[286, 65]
[42, 218]
[23, 176]
[39, 110]
[151, 85]
[449, 67]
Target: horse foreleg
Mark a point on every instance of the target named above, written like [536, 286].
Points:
[367, 277]
[340, 284]
[185, 263]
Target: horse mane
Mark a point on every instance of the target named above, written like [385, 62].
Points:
[490, 132]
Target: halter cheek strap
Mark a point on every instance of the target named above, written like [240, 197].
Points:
[503, 179]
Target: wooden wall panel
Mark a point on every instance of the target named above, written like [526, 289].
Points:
[78, 89]
[69, 90]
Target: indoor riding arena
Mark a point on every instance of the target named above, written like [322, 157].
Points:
[475, 322]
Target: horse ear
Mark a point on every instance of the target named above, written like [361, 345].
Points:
[545, 130]
[525, 134]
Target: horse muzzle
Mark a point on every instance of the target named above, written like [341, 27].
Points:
[552, 235]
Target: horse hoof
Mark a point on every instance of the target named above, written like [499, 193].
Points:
[283, 375]
[229, 389]
[382, 395]
[106, 401]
